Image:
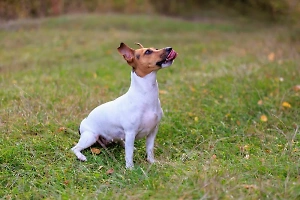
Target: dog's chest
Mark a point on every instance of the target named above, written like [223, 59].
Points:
[149, 121]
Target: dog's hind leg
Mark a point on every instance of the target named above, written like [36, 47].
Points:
[86, 140]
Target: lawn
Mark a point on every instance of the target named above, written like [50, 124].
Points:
[231, 106]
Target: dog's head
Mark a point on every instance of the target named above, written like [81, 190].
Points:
[145, 60]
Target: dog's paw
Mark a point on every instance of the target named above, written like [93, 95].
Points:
[81, 157]
[129, 166]
[151, 159]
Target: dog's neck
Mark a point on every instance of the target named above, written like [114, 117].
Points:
[146, 85]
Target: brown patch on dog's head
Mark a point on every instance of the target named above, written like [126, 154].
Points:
[145, 60]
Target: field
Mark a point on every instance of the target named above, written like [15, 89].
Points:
[231, 106]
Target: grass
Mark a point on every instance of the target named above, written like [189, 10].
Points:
[213, 142]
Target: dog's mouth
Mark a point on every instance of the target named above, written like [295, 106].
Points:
[172, 55]
[168, 60]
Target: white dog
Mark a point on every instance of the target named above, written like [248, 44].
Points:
[133, 115]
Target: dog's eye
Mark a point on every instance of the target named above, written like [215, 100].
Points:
[148, 51]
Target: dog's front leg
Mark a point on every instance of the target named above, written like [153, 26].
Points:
[150, 145]
[129, 147]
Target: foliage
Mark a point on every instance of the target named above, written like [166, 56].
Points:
[10, 9]
[274, 9]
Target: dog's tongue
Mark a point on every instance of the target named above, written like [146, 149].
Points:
[172, 55]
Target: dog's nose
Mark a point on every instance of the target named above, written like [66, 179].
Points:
[168, 49]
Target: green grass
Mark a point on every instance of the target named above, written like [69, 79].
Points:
[211, 142]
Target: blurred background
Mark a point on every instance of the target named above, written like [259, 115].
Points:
[275, 10]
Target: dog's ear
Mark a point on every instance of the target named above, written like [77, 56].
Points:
[126, 52]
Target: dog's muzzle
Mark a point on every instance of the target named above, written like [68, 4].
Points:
[169, 57]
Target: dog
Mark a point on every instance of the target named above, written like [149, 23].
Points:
[134, 115]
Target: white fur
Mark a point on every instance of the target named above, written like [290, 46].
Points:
[167, 64]
[133, 115]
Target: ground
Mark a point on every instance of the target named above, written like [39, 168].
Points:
[231, 109]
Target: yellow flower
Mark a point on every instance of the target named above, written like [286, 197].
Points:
[163, 92]
[286, 105]
[271, 56]
[263, 118]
